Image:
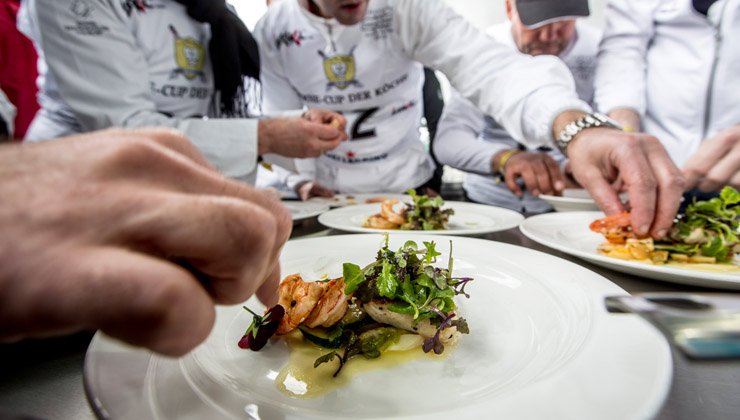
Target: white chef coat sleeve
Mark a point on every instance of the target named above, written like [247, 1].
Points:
[458, 143]
[103, 78]
[620, 80]
[278, 94]
[523, 93]
[7, 113]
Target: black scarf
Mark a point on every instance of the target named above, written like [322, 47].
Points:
[233, 50]
[702, 6]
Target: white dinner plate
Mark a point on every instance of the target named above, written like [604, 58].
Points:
[341, 200]
[469, 219]
[541, 345]
[575, 199]
[301, 210]
[569, 233]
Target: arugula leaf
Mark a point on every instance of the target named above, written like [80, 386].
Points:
[425, 280]
[403, 308]
[353, 277]
[688, 249]
[431, 254]
[709, 227]
[730, 196]
[716, 249]
[387, 282]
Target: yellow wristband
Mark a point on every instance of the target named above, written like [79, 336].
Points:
[505, 156]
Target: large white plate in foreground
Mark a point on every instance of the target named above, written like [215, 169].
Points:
[541, 346]
[569, 233]
[469, 219]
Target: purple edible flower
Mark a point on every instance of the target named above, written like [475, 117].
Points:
[262, 328]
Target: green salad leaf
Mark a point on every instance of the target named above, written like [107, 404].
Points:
[710, 228]
[411, 285]
[426, 213]
[408, 278]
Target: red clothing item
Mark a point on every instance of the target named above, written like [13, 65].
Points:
[18, 69]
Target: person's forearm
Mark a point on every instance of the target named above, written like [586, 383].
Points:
[563, 119]
[627, 117]
[265, 129]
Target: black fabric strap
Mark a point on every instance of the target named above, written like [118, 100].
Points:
[233, 50]
[702, 6]
[4, 132]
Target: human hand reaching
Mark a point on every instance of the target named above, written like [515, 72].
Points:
[540, 173]
[310, 189]
[309, 136]
[130, 232]
[601, 156]
[716, 163]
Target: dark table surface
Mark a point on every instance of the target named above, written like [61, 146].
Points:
[43, 378]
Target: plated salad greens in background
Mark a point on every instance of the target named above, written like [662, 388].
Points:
[423, 213]
[707, 232]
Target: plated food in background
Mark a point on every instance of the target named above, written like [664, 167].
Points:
[423, 213]
[706, 233]
[399, 302]
[469, 219]
[342, 200]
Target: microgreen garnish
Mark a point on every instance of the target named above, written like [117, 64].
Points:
[459, 283]
[408, 279]
[434, 343]
[403, 281]
[262, 328]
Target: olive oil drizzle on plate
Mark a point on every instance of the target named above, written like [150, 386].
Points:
[299, 379]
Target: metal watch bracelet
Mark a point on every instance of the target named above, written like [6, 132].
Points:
[587, 121]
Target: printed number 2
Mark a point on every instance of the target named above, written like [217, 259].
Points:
[356, 134]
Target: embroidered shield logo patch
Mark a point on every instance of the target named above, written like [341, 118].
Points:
[339, 70]
[190, 57]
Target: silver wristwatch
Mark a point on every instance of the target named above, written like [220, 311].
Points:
[587, 121]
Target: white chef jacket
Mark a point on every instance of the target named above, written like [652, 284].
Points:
[678, 69]
[113, 63]
[372, 72]
[467, 139]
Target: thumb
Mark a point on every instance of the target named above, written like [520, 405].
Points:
[325, 131]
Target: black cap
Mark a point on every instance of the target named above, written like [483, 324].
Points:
[534, 13]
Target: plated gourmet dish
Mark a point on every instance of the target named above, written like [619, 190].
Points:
[423, 213]
[706, 233]
[399, 302]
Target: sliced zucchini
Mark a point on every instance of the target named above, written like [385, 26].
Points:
[330, 338]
